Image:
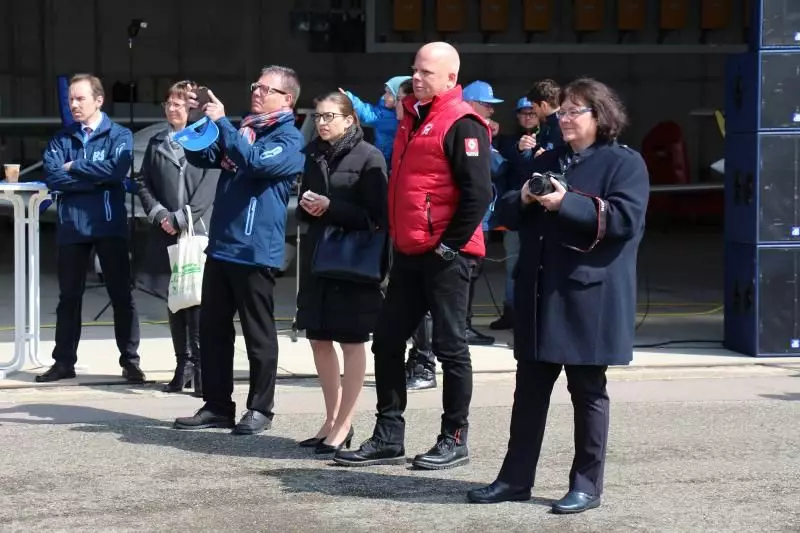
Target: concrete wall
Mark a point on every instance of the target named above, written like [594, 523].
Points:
[223, 44]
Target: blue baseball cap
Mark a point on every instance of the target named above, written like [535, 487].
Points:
[198, 136]
[480, 91]
[523, 103]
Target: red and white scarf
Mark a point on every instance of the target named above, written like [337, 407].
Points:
[249, 129]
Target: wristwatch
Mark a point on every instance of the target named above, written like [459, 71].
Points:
[448, 254]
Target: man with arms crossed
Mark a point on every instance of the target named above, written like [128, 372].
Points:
[259, 165]
[86, 163]
[439, 191]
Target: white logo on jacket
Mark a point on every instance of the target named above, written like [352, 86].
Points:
[427, 129]
[99, 155]
[266, 154]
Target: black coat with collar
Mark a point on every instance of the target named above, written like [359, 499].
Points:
[571, 307]
[166, 184]
[356, 183]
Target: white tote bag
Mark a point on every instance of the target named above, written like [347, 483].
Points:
[187, 260]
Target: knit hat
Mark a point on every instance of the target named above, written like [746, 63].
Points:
[394, 83]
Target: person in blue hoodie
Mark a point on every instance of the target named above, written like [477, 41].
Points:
[260, 163]
[86, 165]
[381, 116]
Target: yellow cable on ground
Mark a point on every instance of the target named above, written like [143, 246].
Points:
[711, 311]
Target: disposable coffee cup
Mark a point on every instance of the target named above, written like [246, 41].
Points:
[11, 172]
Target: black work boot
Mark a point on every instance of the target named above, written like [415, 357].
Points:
[449, 451]
[506, 320]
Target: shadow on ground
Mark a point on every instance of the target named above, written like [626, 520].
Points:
[341, 481]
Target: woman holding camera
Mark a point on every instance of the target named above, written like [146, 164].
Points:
[344, 187]
[575, 290]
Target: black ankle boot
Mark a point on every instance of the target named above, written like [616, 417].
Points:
[184, 373]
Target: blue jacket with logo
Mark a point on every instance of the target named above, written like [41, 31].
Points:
[248, 224]
[382, 119]
[91, 195]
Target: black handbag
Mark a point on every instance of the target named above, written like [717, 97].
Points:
[359, 256]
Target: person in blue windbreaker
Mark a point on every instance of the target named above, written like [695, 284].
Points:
[383, 115]
[259, 163]
[86, 165]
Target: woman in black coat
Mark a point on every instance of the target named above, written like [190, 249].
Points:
[575, 291]
[344, 185]
[166, 186]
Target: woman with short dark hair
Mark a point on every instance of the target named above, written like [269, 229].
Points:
[169, 189]
[575, 289]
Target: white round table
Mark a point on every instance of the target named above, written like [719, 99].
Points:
[26, 199]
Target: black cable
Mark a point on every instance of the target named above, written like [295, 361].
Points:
[646, 280]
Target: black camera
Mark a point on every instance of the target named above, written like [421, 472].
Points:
[540, 184]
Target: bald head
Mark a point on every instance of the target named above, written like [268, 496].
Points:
[435, 70]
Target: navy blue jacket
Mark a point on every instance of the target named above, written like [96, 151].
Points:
[572, 307]
[248, 224]
[91, 195]
[518, 162]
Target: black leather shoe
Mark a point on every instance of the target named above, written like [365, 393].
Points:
[476, 338]
[252, 422]
[132, 373]
[448, 452]
[576, 502]
[498, 492]
[56, 373]
[322, 448]
[506, 320]
[204, 419]
[372, 452]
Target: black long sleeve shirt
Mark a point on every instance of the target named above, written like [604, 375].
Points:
[472, 175]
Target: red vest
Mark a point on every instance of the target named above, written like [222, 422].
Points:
[422, 193]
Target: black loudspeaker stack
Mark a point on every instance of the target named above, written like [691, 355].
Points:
[762, 185]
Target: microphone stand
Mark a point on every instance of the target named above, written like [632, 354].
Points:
[133, 31]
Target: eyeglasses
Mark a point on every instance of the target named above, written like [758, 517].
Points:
[265, 89]
[572, 114]
[325, 118]
[173, 105]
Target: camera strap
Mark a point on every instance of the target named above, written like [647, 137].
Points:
[602, 212]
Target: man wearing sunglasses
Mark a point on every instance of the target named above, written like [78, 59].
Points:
[259, 165]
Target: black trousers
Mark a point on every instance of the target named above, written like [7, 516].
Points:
[184, 327]
[421, 351]
[418, 284]
[587, 387]
[229, 288]
[73, 261]
[475, 275]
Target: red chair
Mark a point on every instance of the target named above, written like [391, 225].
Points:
[664, 152]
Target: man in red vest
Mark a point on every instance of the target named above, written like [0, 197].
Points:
[439, 191]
